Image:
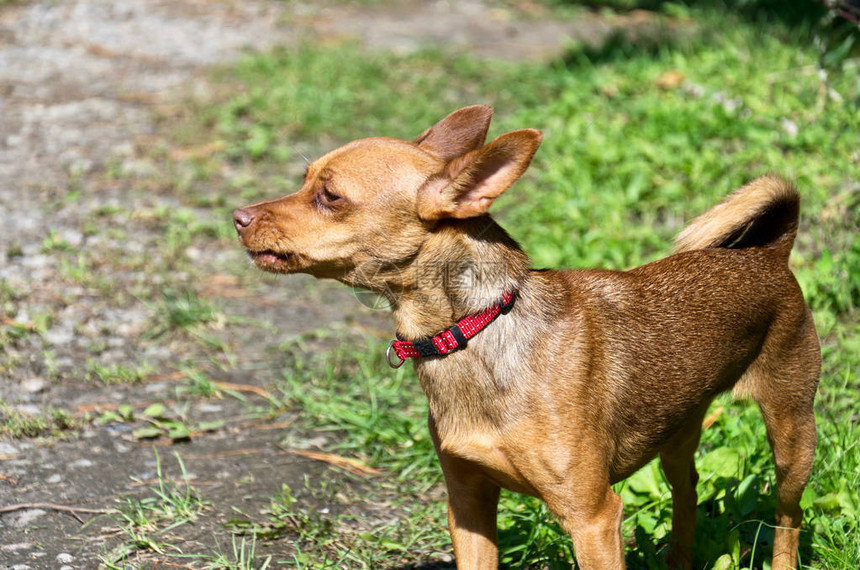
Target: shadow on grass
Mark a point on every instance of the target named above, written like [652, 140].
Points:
[724, 527]
[622, 45]
[743, 526]
[794, 13]
[653, 36]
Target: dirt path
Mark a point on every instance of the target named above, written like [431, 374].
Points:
[84, 262]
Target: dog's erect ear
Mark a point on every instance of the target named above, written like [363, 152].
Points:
[471, 183]
[457, 134]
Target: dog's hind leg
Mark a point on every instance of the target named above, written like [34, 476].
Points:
[791, 433]
[677, 460]
[785, 380]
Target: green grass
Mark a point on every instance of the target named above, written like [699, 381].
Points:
[182, 311]
[243, 556]
[146, 523]
[627, 158]
[13, 329]
[378, 416]
[48, 423]
[111, 374]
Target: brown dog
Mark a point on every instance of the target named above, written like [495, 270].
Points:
[558, 383]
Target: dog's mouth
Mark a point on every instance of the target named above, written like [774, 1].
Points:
[274, 262]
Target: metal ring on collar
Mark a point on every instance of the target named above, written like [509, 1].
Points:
[388, 352]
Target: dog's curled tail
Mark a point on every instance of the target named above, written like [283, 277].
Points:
[762, 213]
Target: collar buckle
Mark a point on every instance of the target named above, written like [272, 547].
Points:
[388, 356]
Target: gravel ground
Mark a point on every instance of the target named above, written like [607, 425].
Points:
[81, 84]
[83, 251]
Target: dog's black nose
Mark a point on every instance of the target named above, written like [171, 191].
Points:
[242, 219]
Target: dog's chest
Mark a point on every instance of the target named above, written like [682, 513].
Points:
[486, 453]
[478, 416]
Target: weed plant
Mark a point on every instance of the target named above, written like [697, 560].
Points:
[146, 522]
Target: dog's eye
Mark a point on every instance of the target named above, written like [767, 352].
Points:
[327, 197]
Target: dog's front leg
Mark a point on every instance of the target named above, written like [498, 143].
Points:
[591, 514]
[472, 507]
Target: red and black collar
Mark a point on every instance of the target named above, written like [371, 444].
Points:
[451, 339]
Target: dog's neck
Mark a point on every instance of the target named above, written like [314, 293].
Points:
[464, 267]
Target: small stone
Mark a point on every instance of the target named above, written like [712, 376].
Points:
[72, 237]
[28, 409]
[16, 547]
[65, 558]
[155, 387]
[314, 442]
[790, 127]
[59, 336]
[123, 149]
[81, 463]
[34, 385]
[694, 90]
[54, 479]
[24, 518]
[40, 261]
[78, 166]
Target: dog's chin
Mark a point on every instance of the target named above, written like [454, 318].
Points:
[274, 262]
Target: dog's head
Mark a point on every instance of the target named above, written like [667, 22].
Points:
[370, 204]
